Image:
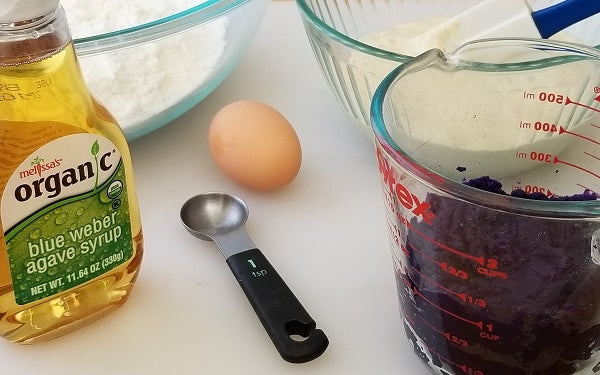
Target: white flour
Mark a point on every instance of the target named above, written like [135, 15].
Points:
[138, 83]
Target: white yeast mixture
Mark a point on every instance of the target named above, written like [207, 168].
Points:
[399, 39]
[137, 83]
[484, 110]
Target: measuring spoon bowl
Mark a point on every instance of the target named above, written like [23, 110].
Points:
[207, 216]
[221, 217]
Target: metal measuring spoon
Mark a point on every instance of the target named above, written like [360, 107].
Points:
[220, 217]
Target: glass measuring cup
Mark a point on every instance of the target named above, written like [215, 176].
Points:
[489, 283]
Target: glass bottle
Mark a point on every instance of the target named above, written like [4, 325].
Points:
[71, 244]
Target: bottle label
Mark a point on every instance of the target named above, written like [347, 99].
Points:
[65, 216]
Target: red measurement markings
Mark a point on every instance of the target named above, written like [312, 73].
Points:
[585, 188]
[416, 291]
[469, 371]
[463, 296]
[569, 101]
[592, 156]
[487, 268]
[484, 334]
[395, 234]
[562, 130]
[450, 337]
[403, 220]
[396, 259]
[479, 260]
[405, 250]
[534, 189]
[558, 161]
[463, 275]
[464, 368]
[491, 271]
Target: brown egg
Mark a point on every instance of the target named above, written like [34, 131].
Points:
[255, 145]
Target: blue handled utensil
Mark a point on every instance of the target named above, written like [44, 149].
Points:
[505, 18]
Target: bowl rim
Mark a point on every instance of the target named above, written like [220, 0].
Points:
[314, 20]
[158, 29]
[342, 38]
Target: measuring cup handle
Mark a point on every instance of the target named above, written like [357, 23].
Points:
[289, 325]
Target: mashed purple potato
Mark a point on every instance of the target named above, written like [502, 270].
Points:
[489, 184]
[488, 292]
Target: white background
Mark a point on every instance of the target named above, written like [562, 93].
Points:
[325, 234]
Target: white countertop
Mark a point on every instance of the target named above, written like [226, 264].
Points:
[325, 234]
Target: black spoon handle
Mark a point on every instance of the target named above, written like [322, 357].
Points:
[289, 325]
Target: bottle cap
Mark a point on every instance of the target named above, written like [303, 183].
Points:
[24, 10]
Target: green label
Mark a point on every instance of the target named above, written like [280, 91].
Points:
[69, 244]
[75, 238]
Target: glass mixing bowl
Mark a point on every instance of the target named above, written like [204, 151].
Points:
[147, 73]
[354, 58]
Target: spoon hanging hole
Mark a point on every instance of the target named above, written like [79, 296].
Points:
[298, 331]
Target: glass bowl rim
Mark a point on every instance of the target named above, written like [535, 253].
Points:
[157, 29]
[344, 39]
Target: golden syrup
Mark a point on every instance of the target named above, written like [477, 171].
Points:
[71, 244]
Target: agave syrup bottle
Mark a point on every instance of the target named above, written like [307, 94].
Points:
[71, 239]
